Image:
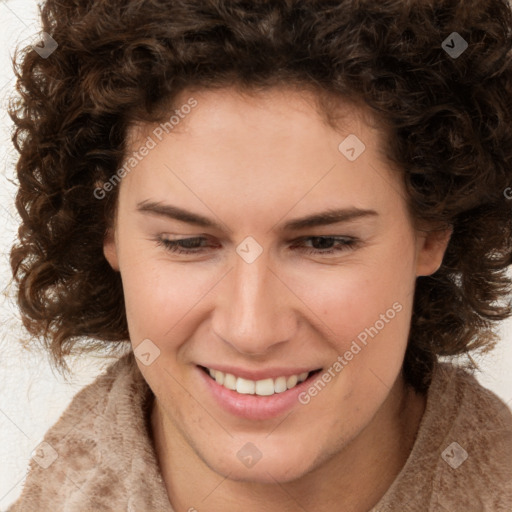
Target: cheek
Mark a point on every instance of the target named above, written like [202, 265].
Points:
[158, 294]
[363, 311]
[348, 300]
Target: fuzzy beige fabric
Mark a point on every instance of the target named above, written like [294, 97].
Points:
[461, 459]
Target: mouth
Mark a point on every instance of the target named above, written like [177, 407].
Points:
[263, 387]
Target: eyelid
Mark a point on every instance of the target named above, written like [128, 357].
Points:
[172, 244]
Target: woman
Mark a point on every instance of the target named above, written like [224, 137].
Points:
[288, 211]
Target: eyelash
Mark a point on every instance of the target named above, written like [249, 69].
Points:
[346, 244]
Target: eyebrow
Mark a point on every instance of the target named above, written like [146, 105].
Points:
[331, 216]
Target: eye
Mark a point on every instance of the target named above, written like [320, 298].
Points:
[324, 244]
[320, 244]
[183, 245]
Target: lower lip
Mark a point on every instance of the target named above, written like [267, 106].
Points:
[254, 407]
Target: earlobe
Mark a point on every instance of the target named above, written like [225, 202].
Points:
[431, 250]
[110, 249]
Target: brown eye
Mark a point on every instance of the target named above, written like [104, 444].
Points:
[324, 244]
[184, 245]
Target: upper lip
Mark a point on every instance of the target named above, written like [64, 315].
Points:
[267, 373]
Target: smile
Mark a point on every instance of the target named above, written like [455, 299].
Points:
[263, 387]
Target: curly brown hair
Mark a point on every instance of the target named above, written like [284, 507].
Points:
[448, 131]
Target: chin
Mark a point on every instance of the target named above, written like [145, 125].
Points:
[265, 474]
[278, 467]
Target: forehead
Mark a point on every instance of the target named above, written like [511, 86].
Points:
[256, 150]
[277, 114]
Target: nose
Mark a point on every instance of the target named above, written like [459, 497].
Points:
[254, 310]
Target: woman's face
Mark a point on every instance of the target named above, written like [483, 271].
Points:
[267, 287]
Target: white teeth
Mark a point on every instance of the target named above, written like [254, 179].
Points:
[280, 385]
[264, 387]
[245, 386]
[230, 381]
[219, 377]
[291, 381]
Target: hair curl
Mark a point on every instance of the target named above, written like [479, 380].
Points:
[448, 130]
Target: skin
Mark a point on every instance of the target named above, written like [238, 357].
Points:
[250, 163]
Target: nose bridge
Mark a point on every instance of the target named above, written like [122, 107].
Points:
[255, 315]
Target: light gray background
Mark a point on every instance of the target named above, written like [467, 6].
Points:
[31, 396]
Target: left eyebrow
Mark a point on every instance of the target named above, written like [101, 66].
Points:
[332, 216]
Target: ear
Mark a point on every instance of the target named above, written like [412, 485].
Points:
[110, 249]
[430, 250]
